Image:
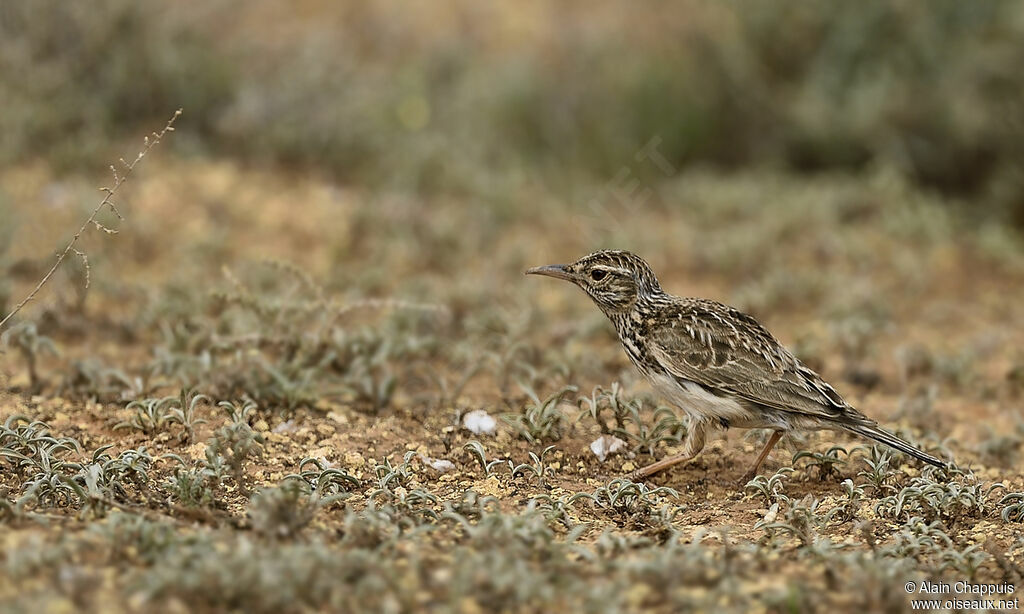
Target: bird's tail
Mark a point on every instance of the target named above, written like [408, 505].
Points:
[879, 434]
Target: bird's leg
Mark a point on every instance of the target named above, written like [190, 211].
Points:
[691, 448]
[774, 439]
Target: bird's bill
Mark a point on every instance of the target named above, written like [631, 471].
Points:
[558, 271]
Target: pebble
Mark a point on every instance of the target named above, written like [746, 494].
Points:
[479, 422]
[442, 465]
[285, 427]
[606, 445]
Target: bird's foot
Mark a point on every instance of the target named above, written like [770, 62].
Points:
[659, 466]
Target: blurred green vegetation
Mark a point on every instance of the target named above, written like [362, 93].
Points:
[455, 97]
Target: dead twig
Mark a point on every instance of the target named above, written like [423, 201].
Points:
[108, 201]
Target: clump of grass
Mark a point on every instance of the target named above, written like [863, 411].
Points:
[153, 415]
[476, 450]
[1001, 448]
[283, 511]
[233, 444]
[31, 345]
[664, 426]
[847, 508]
[824, 463]
[626, 499]
[602, 401]
[879, 474]
[91, 378]
[273, 335]
[538, 466]
[326, 483]
[947, 499]
[49, 476]
[191, 486]
[541, 420]
[801, 519]
[104, 482]
[769, 488]
[1013, 507]
[40, 460]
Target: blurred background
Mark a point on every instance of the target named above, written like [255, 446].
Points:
[860, 166]
[337, 232]
[456, 97]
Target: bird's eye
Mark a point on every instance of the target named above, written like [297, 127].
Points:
[597, 274]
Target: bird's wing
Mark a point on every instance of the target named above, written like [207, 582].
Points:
[728, 351]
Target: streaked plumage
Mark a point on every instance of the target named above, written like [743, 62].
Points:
[714, 362]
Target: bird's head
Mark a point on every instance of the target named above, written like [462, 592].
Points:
[615, 280]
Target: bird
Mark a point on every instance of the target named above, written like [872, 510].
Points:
[717, 364]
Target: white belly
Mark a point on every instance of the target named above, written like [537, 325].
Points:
[699, 403]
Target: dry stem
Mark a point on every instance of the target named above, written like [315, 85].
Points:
[119, 180]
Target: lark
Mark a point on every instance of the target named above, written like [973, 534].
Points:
[716, 363]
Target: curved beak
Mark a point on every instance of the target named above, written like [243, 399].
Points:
[558, 271]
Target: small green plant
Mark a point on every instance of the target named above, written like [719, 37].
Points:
[390, 476]
[40, 461]
[966, 562]
[769, 488]
[801, 519]
[878, 473]
[150, 416]
[105, 481]
[847, 508]
[1013, 507]
[25, 338]
[476, 449]
[537, 466]
[450, 389]
[327, 484]
[601, 401]
[541, 420]
[153, 415]
[824, 463]
[667, 428]
[184, 411]
[625, 498]
[1002, 448]
[283, 511]
[234, 443]
[93, 379]
[191, 486]
[373, 383]
[405, 503]
[947, 499]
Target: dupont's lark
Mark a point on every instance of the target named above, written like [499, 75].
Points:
[717, 364]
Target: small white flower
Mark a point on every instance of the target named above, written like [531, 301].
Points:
[479, 422]
[606, 445]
